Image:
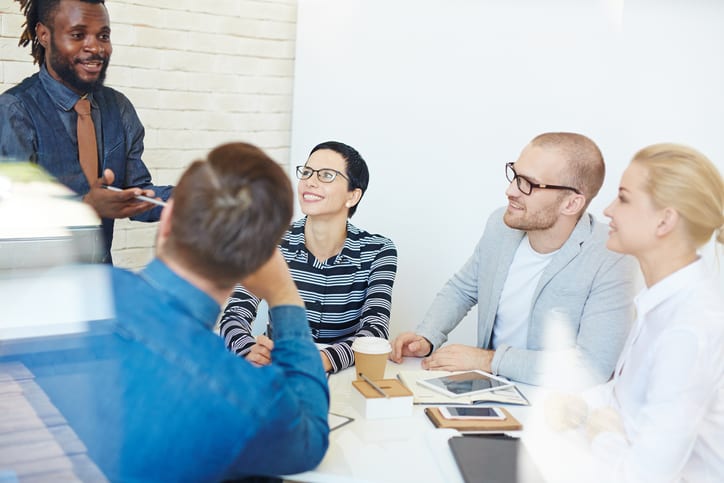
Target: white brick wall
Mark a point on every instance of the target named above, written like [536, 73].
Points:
[198, 73]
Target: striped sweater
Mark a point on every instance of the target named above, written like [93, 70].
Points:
[346, 296]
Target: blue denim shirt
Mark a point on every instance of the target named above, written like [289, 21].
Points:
[155, 395]
[38, 123]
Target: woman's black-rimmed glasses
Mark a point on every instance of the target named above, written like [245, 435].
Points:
[325, 175]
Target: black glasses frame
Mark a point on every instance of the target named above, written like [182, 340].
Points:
[301, 175]
[511, 175]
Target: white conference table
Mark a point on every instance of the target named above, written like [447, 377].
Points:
[412, 449]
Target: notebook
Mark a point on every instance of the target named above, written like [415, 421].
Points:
[475, 425]
[493, 459]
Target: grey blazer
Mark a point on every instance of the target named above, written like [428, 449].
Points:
[581, 311]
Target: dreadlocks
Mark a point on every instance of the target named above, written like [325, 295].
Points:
[38, 11]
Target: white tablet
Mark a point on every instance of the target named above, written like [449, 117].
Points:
[465, 383]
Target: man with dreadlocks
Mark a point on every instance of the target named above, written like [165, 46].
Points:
[45, 118]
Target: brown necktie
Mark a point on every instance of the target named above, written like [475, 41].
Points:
[87, 146]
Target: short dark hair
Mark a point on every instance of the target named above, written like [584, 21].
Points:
[229, 213]
[39, 11]
[355, 167]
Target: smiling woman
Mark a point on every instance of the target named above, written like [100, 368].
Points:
[665, 397]
[345, 275]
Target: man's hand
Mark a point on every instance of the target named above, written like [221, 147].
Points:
[260, 353]
[409, 344]
[273, 283]
[116, 204]
[458, 357]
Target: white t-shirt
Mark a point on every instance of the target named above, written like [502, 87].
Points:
[513, 315]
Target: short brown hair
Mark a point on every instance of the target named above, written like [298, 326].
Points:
[585, 169]
[229, 213]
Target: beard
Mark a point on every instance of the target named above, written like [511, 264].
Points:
[543, 219]
[64, 68]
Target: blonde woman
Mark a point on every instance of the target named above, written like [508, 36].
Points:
[661, 417]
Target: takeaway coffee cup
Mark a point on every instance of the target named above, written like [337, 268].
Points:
[370, 356]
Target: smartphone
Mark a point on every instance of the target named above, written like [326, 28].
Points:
[471, 412]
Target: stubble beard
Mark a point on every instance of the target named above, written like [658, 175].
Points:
[542, 219]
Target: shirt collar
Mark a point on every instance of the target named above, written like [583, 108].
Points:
[351, 250]
[64, 97]
[191, 299]
[683, 278]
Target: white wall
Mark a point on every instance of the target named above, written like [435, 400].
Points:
[438, 94]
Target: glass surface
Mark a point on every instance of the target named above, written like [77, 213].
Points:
[466, 382]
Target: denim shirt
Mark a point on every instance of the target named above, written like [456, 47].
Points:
[38, 123]
[158, 397]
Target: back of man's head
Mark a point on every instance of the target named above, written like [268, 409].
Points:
[585, 169]
[229, 213]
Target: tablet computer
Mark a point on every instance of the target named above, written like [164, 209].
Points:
[465, 383]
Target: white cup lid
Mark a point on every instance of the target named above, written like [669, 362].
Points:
[371, 345]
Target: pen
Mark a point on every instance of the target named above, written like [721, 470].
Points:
[138, 197]
[374, 386]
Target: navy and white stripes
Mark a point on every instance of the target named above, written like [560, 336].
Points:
[346, 297]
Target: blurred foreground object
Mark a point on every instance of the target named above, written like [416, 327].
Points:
[50, 293]
[49, 240]
[43, 223]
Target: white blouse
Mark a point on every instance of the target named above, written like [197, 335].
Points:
[669, 385]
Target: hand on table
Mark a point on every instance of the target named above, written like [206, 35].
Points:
[409, 344]
[116, 204]
[458, 357]
[565, 411]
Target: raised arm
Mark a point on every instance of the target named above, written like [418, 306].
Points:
[290, 397]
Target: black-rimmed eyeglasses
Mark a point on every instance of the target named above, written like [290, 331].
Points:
[526, 186]
[325, 175]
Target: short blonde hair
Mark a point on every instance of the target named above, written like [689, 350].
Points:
[684, 179]
[585, 169]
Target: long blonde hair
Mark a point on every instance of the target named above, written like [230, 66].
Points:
[684, 179]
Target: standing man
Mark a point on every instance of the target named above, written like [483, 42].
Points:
[45, 118]
[554, 305]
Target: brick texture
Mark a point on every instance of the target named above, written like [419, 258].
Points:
[198, 73]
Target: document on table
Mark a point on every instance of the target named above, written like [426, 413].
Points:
[424, 395]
